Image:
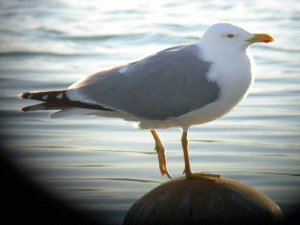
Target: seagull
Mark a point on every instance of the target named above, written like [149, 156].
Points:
[179, 86]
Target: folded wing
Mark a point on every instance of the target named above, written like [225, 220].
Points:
[170, 83]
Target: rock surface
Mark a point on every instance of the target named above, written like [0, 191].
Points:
[203, 201]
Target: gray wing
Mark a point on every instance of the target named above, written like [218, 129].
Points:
[167, 84]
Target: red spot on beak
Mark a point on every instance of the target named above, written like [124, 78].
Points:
[266, 40]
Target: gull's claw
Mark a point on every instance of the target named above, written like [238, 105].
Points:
[205, 176]
[160, 150]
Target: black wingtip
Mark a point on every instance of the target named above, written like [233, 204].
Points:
[40, 106]
[25, 109]
[24, 95]
[21, 96]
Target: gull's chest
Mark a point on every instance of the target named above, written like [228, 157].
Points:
[234, 78]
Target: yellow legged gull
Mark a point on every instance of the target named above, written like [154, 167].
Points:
[177, 87]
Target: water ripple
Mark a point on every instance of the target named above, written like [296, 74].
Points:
[107, 179]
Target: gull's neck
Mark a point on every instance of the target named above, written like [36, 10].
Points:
[212, 52]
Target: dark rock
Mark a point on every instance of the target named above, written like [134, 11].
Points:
[204, 201]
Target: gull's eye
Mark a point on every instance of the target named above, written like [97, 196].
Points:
[230, 35]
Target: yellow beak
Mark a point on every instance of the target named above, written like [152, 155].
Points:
[261, 38]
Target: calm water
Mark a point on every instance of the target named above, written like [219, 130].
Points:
[105, 165]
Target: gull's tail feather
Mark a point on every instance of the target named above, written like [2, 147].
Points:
[53, 100]
[56, 100]
[56, 96]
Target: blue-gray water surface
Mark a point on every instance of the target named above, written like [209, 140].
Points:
[104, 165]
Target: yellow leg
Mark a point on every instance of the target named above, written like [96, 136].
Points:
[187, 167]
[184, 143]
[160, 149]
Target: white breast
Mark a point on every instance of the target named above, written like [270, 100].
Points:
[233, 76]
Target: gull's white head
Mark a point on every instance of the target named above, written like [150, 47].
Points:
[227, 37]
